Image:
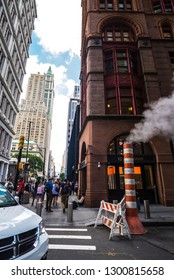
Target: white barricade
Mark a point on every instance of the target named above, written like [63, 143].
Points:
[113, 216]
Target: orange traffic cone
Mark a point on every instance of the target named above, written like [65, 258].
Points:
[132, 218]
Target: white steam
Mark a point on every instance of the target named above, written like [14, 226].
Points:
[158, 120]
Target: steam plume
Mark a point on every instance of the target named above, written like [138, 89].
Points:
[158, 120]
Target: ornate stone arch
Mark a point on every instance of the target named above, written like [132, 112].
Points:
[136, 28]
[166, 21]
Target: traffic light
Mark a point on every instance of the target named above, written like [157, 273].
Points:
[20, 166]
[21, 142]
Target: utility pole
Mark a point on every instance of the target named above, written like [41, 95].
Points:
[20, 147]
[26, 160]
[28, 140]
[44, 161]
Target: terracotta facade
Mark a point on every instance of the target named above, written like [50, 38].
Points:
[152, 80]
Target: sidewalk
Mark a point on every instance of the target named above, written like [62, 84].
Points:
[159, 215]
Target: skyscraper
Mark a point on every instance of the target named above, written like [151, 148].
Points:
[73, 102]
[34, 120]
[127, 62]
[17, 23]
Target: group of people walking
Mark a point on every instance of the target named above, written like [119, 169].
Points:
[52, 189]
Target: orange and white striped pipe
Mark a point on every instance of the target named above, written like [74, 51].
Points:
[130, 192]
[132, 218]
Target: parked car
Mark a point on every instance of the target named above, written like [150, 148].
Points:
[22, 232]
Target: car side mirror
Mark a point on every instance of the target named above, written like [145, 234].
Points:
[17, 198]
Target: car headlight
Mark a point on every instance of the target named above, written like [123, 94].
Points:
[41, 228]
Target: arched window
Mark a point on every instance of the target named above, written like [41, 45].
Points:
[167, 31]
[116, 147]
[163, 6]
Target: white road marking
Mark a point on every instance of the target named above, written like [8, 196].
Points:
[71, 247]
[66, 229]
[70, 236]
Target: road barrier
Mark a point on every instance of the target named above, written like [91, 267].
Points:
[113, 216]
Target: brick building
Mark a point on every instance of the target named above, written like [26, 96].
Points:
[127, 62]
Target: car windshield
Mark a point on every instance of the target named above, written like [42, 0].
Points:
[6, 199]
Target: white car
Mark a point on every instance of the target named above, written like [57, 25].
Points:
[22, 233]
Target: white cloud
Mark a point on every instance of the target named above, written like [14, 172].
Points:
[58, 25]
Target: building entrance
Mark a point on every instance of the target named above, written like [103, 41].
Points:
[144, 182]
[144, 163]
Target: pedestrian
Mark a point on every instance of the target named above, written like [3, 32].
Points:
[81, 201]
[48, 190]
[20, 189]
[64, 193]
[40, 192]
[55, 193]
[31, 189]
[34, 194]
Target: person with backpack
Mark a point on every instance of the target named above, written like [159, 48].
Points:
[64, 194]
[55, 192]
[48, 190]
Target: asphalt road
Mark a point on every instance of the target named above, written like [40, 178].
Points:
[89, 243]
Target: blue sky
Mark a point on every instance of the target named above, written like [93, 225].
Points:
[63, 58]
[56, 42]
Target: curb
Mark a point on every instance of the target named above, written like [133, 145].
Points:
[157, 223]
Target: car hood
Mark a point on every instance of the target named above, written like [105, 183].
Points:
[17, 219]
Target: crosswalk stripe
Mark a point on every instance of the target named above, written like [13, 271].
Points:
[70, 236]
[71, 247]
[66, 229]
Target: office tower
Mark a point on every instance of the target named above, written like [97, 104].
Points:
[127, 63]
[73, 102]
[17, 23]
[34, 120]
